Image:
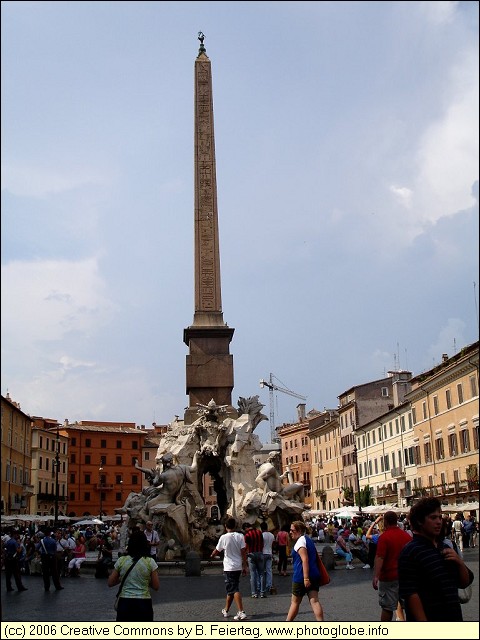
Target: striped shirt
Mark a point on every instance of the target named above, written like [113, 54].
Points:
[423, 570]
[254, 540]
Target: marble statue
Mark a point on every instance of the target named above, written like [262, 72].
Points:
[225, 448]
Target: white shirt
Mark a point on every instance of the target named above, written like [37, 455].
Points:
[268, 539]
[152, 536]
[232, 544]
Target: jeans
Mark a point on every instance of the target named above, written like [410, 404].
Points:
[267, 560]
[257, 572]
[347, 555]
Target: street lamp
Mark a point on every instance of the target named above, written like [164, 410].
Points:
[57, 465]
[101, 494]
[358, 477]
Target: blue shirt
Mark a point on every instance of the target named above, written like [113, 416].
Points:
[314, 574]
[50, 546]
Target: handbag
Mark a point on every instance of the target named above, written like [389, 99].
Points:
[464, 595]
[324, 577]
[117, 597]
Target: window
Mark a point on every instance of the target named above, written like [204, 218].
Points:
[134, 479]
[118, 479]
[103, 444]
[439, 449]
[72, 496]
[390, 428]
[473, 386]
[134, 444]
[40, 462]
[286, 445]
[464, 441]
[435, 405]
[88, 442]
[452, 444]
[424, 410]
[373, 437]
[414, 415]
[39, 486]
[417, 455]
[387, 462]
[384, 392]
[73, 442]
[119, 444]
[118, 497]
[87, 478]
[47, 463]
[427, 450]
[88, 459]
[40, 446]
[103, 460]
[147, 455]
[72, 458]
[72, 478]
[448, 398]
[460, 393]
[118, 461]
[86, 496]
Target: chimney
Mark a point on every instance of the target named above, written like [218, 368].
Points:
[301, 412]
[444, 357]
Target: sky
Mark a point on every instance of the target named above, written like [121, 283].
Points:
[347, 173]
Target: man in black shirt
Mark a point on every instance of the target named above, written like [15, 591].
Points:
[430, 573]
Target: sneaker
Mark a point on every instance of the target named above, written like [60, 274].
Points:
[366, 566]
[241, 615]
[262, 595]
[254, 595]
[224, 613]
[349, 566]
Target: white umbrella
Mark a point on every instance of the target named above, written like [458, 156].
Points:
[87, 522]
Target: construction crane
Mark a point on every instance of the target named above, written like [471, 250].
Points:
[275, 387]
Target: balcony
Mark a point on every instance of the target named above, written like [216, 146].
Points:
[398, 472]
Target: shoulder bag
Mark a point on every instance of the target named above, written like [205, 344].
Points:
[324, 577]
[117, 597]
[464, 595]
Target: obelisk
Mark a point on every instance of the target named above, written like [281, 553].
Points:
[209, 370]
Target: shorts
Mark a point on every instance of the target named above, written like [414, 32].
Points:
[388, 595]
[299, 589]
[232, 581]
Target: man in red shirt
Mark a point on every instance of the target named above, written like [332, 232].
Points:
[385, 574]
[254, 542]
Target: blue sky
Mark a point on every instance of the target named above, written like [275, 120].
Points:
[347, 171]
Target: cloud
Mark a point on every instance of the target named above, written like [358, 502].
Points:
[46, 300]
[404, 195]
[40, 181]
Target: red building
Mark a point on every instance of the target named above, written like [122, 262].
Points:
[101, 471]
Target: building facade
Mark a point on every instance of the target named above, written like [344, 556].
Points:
[49, 468]
[16, 442]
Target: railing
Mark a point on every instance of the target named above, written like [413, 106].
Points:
[397, 472]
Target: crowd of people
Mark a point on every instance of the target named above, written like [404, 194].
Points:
[416, 560]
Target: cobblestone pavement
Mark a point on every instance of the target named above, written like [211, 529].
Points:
[349, 597]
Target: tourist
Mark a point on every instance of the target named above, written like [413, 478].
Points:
[79, 557]
[254, 542]
[429, 578]
[135, 602]
[306, 576]
[268, 540]
[282, 544]
[342, 550]
[234, 550]
[153, 538]
[385, 575]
